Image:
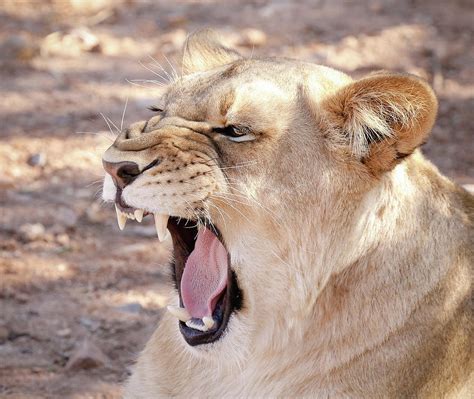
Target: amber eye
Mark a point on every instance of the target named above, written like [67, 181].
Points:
[229, 131]
[235, 133]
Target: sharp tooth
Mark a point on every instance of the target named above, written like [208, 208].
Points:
[180, 313]
[161, 222]
[138, 215]
[191, 324]
[121, 218]
[208, 322]
[130, 216]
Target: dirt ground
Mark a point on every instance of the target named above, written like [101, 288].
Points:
[68, 277]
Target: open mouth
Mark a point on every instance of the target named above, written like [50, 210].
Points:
[207, 285]
[201, 269]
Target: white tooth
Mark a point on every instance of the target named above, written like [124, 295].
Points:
[121, 218]
[130, 216]
[138, 215]
[191, 324]
[208, 322]
[161, 222]
[180, 313]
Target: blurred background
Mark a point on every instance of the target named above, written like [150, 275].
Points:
[78, 298]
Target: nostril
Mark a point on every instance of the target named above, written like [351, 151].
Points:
[122, 173]
[129, 170]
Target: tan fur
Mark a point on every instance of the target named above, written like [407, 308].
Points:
[353, 253]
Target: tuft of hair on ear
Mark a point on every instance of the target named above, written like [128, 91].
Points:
[203, 51]
[382, 118]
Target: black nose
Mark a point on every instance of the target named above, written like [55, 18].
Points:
[122, 173]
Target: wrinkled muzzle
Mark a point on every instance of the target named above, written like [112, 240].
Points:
[139, 142]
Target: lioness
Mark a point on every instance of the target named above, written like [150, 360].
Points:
[316, 252]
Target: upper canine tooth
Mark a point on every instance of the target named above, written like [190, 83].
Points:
[208, 322]
[181, 313]
[138, 215]
[121, 218]
[161, 223]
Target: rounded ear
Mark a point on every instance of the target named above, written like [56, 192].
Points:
[203, 51]
[382, 118]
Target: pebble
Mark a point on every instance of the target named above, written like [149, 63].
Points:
[63, 239]
[32, 231]
[132, 307]
[38, 159]
[87, 356]
[71, 43]
[17, 48]
[65, 332]
[90, 324]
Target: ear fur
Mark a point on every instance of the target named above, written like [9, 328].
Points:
[203, 51]
[382, 118]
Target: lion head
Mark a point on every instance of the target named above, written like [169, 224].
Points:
[256, 167]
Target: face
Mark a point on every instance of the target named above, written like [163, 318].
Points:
[202, 167]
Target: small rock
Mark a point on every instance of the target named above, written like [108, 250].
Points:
[87, 356]
[38, 159]
[90, 324]
[63, 239]
[18, 48]
[65, 332]
[32, 231]
[71, 43]
[133, 307]
[4, 333]
[21, 297]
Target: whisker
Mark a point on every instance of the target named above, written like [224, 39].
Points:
[108, 123]
[175, 74]
[155, 82]
[153, 72]
[113, 124]
[170, 78]
[233, 207]
[98, 181]
[123, 114]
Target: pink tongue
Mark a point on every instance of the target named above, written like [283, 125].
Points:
[205, 275]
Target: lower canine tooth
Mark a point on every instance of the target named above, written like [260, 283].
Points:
[180, 313]
[191, 324]
[208, 322]
[161, 223]
[121, 218]
[138, 215]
